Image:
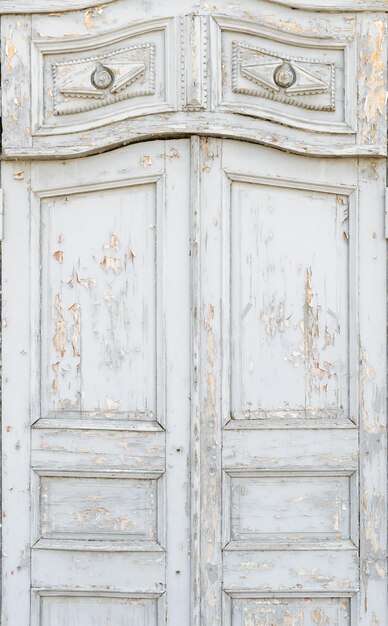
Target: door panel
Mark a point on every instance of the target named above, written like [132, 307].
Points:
[105, 292]
[289, 359]
[280, 391]
[110, 435]
[194, 436]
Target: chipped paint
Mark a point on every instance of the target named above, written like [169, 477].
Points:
[59, 338]
[76, 327]
[173, 153]
[371, 418]
[208, 155]
[275, 319]
[58, 256]
[75, 279]
[372, 76]
[146, 161]
[89, 18]
[317, 372]
[113, 263]
[113, 243]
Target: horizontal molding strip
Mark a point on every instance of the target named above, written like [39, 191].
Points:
[58, 423]
[253, 594]
[63, 6]
[303, 545]
[97, 545]
[101, 593]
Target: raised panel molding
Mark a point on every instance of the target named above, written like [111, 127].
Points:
[283, 77]
[122, 354]
[296, 609]
[295, 79]
[319, 509]
[318, 345]
[86, 509]
[104, 78]
[90, 607]
[119, 74]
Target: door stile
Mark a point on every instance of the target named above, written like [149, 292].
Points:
[195, 419]
[16, 396]
[210, 377]
[372, 397]
[175, 316]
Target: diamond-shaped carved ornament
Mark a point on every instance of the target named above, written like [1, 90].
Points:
[104, 79]
[92, 80]
[279, 74]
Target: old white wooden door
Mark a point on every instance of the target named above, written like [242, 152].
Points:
[105, 243]
[194, 324]
[243, 507]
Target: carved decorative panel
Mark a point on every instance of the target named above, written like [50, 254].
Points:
[283, 78]
[122, 73]
[103, 79]
[309, 83]
[270, 73]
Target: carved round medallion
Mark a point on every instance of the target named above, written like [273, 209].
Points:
[102, 77]
[284, 76]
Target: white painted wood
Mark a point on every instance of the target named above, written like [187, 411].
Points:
[206, 70]
[373, 456]
[275, 523]
[270, 453]
[60, 6]
[1, 215]
[194, 326]
[105, 495]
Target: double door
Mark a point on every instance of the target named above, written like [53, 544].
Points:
[183, 431]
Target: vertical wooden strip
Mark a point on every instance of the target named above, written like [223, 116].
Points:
[372, 81]
[16, 78]
[195, 430]
[36, 259]
[176, 312]
[211, 372]
[373, 458]
[226, 339]
[194, 38]
[353, 233]
[16, 397]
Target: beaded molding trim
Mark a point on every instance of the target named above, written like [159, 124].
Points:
[192, 107]
[103, 100]
[266, 92]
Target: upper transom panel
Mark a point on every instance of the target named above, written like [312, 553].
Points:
[82, 81]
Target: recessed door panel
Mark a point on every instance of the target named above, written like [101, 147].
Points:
[289, 301]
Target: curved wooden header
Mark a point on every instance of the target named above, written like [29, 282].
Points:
[48, 6]
[85, 81]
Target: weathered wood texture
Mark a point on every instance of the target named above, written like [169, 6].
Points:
[204, 70]
[275, 518]
[194, 328]
[109, 466]
[60, 6]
